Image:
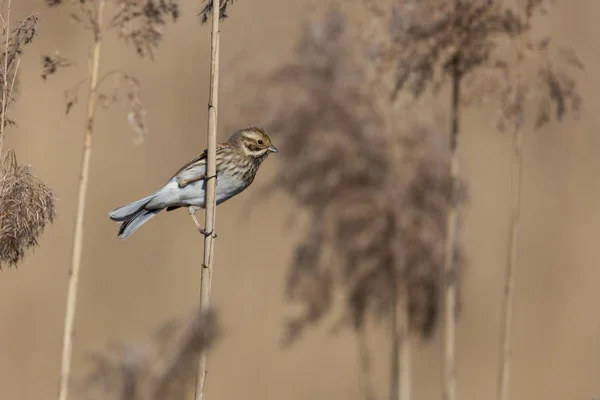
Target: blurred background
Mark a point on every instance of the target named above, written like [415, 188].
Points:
[128, 288]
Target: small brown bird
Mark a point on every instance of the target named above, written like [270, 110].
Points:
[237, 163]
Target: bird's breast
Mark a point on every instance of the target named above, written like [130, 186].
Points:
[228, 186]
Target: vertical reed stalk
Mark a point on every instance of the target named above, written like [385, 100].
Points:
[211, 171]
[401, 348]
[511, 253]
[74, 271]
[449, 274]
[509, 285]
[5, 77]
[364, 360]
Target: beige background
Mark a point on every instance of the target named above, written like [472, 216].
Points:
[127, 288]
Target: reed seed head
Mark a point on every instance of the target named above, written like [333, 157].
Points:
[163, 369]
[27, 206]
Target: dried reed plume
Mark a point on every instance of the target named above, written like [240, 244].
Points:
[139, 22]
[376, 189]
[15, 39]
[26, 203]
[26, 208]
[496, 54]
[163, 369]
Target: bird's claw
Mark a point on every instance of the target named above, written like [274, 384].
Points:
[211, 233]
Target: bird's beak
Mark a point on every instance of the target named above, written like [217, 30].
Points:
[272, 149]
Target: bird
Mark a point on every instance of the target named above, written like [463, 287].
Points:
[237, 161]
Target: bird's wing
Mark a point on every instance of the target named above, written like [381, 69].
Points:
[196, 168]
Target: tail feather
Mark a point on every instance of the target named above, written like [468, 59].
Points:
[135, 221]
[127, 211]
[133, 215]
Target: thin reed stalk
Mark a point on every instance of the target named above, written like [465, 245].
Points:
[81, 200]
[509, 285]
[511, 252]
[5, 77]
[405, 392]
[211, 172]
[364, 360]
[7, 90]
[449, 273]
[401, 388]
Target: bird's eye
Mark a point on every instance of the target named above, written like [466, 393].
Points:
[260, 142]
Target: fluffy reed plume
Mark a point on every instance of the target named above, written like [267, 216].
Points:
[376, 224]
[376, 189]
[26, 208]
[26, 203]
[498, 57]
[16, 36]
[160, 370]
[140, 23]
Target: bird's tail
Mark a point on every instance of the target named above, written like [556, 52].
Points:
[127, 211]
[133, 216]
[133, 223]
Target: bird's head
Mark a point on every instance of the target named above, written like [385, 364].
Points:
[252, 142]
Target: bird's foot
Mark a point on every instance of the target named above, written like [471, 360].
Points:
[192, 211]
[211, 233]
